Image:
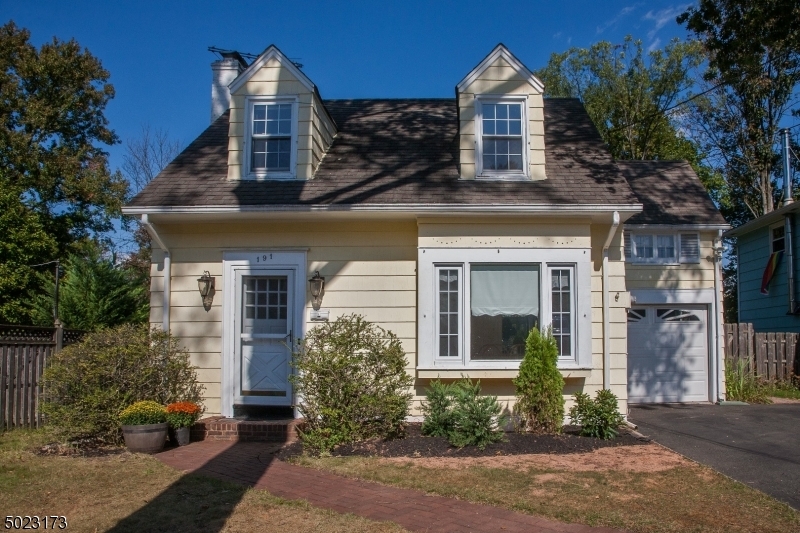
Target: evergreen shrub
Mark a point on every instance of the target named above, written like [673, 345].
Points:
[598, 418]
[89, 383]
[462, 414]
[540, 386]
[351, 377]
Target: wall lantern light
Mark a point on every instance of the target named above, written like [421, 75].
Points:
[317, 284]
[206, 285]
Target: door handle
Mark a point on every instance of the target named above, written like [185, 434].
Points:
[289, 336]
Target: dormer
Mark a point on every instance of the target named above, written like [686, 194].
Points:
[501, 120]
[279, 127]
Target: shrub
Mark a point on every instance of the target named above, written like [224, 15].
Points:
[437, 410]
[598, 418]
[540, 386]
[742, 385]
[476, 419]
[89, 383]
[352, 380]
[182, 414]
[461, 414]
[142, 413]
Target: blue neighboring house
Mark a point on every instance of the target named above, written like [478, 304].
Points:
[767, 293]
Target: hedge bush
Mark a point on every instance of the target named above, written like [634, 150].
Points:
[540, 386]
[598, 418]
[89, 383]
[437, 410]
[351, 377]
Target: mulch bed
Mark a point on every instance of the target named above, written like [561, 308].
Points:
[414, 444]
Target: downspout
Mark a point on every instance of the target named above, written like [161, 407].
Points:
[606, 319]
[151, 230]
[718, 343]
[787, 221]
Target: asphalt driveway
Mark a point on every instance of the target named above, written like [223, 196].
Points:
[758, 445]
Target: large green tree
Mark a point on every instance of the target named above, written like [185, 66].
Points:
[629, 93]
[56, 187]
[753, 52]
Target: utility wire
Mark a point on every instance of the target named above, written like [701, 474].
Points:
[43, 264]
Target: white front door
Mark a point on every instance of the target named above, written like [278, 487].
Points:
[263, 335]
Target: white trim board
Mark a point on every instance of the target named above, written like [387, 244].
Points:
[500, 51]
[270, 53]
[672, 296]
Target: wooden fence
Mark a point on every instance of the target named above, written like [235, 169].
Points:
[773, 356]
[24, 353]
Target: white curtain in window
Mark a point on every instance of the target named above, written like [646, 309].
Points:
[505, 290]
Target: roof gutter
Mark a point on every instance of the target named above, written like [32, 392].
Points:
[615, 221]
[544, 209]
[151, 230]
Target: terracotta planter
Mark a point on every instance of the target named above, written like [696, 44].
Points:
[148, 438]
[182, 436]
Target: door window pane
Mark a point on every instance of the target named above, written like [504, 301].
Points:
[265, 304]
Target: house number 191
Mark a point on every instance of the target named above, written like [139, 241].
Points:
[263, 258]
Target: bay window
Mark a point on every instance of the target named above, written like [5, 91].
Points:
[481, 309]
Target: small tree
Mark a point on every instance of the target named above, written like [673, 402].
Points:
[351, 376]
[540, 386]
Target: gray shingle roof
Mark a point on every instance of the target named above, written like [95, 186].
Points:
[395, 152]
[670, 192]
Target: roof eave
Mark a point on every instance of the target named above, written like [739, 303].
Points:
[763, 220]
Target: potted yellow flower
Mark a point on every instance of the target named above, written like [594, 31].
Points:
[181, 416]
[144, 426]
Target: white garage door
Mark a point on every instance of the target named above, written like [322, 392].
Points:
[667, 354]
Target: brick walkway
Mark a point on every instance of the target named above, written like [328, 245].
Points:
[252, 464]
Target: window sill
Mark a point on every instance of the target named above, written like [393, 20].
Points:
[485, 373]
[503, 177]
[283, 176]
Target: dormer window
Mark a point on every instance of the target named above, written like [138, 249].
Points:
[272, 131]
[502, 138]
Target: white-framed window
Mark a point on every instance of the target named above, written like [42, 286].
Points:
[777, 240]
[271, 137]
[661, 247]
[449, 310]
[501, 138]
[477, 306]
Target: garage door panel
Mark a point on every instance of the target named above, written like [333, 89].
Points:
[667, 355]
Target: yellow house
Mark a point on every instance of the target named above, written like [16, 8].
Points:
[456, 223]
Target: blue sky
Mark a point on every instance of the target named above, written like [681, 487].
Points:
[159, 63]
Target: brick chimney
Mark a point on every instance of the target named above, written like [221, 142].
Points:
[223, 72]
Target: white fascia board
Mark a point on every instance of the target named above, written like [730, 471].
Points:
[422, 209]
[271, 52]
[501, 51]
[678, 227]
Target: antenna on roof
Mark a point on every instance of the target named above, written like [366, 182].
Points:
[241, 57]
[296, 61]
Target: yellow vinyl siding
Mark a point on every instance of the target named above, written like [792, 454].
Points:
[315, 130]
[500, 78]
[370, 269]
[698, 275]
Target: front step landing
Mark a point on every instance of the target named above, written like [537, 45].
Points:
[220, 428]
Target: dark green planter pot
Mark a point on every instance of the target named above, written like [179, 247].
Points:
[149, 438]
[182, 436]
